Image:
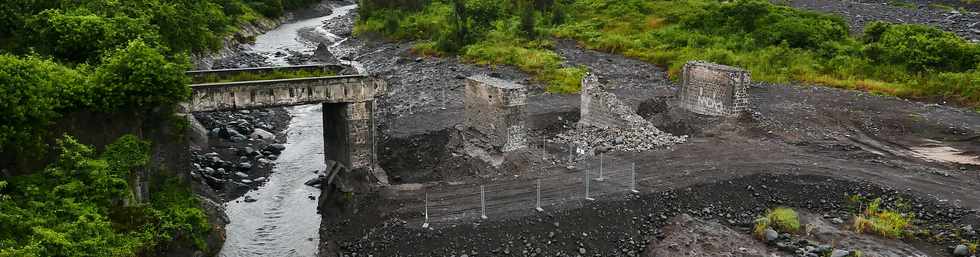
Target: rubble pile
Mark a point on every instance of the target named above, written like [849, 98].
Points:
[640, 138]
[609, 124]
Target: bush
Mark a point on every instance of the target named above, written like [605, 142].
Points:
[137, 78]
[781, 219]
[784, 219]
[884, 222]
[194, 26]
[31, 97]
[77, 206]
[82, 37]
[919, 47]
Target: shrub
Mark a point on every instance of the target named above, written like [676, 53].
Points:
[919, 47]
[802, 29]
[32, 94]
[784, 219]
[138, 77]
[888, 223]
[79, 36]
[781, 219]
[76, 206]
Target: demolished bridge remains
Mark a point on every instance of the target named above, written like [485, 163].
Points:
[348, 106]
[606, 123]
[714, 89]
[497, 109]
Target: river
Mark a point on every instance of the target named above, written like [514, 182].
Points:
[283, 219]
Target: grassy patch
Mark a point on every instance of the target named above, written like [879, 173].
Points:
[875, 219]
[781, 219]
[254, 76]
[903, 4]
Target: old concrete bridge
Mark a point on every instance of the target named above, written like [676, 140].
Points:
[348, 105]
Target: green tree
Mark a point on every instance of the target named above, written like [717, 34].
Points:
[919, 47]
[74, 207]
[138, 77]
[31, 90]
[80, 36]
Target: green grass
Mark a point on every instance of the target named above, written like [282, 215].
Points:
[253, 76]
[777, 44]
[903, 4]
[822, 54]
[781, 219]
[884, 222]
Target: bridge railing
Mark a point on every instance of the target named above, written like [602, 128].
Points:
[274, 91]
[206, 76]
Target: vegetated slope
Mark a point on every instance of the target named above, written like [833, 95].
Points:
[83, 205]
[99, 56]
[776, 43]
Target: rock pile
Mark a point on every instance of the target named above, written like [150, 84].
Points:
[640, 138]
[243, 147]
[609, 124]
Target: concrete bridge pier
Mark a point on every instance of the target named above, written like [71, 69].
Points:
[348, 134]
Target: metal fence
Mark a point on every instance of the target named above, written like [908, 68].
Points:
[474, 202]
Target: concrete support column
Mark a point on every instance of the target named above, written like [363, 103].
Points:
[348, 134]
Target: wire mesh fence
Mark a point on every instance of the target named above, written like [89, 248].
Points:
[498, 199]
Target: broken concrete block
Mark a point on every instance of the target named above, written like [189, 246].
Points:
[714, 89]
[497, 109]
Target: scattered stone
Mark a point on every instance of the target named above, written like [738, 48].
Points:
[261, 134]
[315, 181]
[839, 253]
[275, 148]
[771, 235]
[837, 221]
[241, 174]
[249, 199]
[961, 250]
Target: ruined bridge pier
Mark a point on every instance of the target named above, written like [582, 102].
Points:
[348, 107]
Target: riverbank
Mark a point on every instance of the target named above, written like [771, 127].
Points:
[803, 146]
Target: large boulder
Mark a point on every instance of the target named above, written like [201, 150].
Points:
[197, 134]
[262, 134]
[323, 55]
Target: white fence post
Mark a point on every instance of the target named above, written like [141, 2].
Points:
[483, 203]
[537, 205]
[633, 178]
[601, 177]
[426, 224]
[587, 185]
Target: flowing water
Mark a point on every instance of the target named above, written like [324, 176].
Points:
[287, 37]
[283, 221]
